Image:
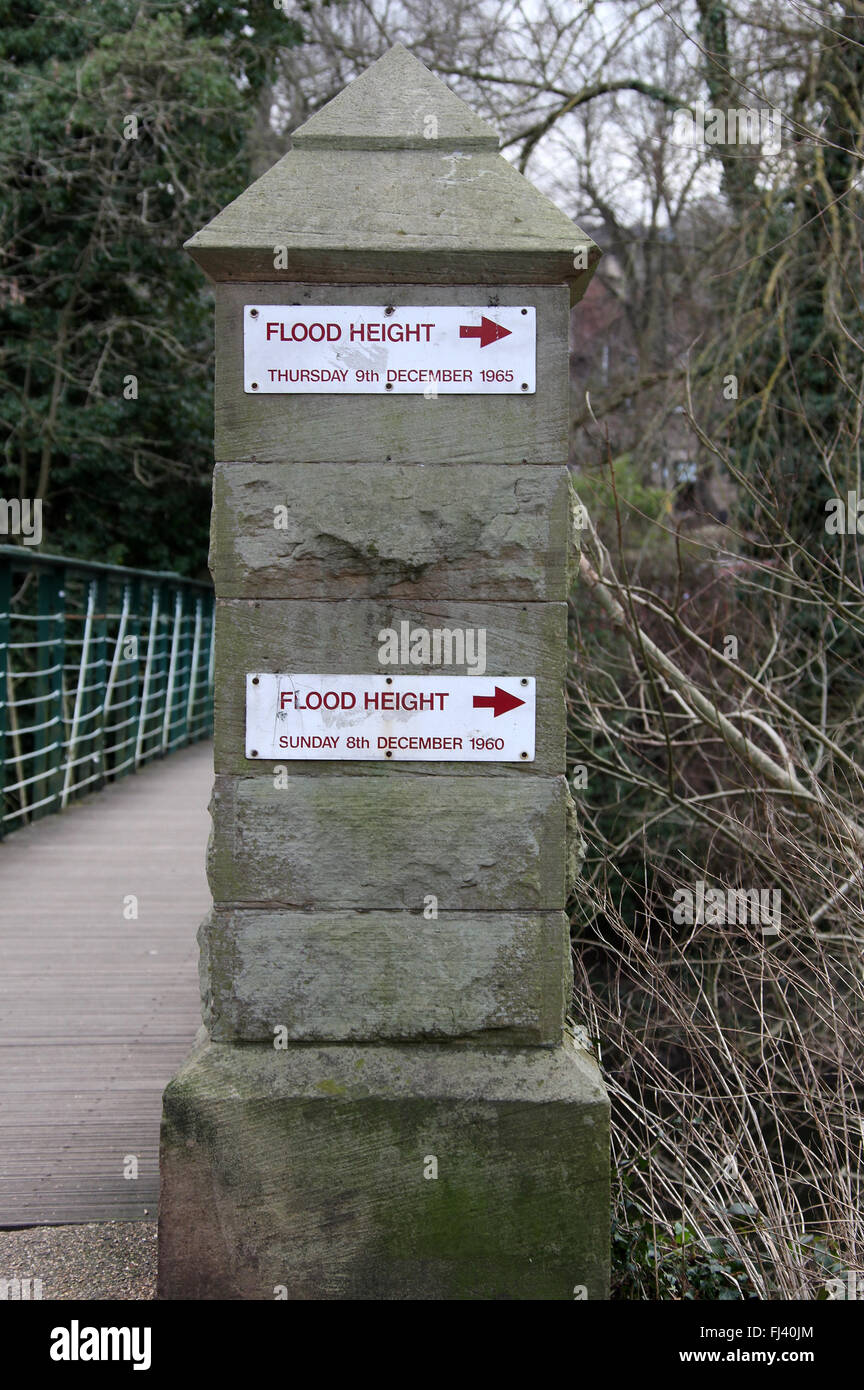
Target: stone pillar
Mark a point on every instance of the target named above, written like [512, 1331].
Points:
[385, 1102]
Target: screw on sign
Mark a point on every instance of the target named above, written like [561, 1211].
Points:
[367, 349]
[364, 717]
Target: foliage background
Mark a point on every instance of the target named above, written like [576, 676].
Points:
[94, 284]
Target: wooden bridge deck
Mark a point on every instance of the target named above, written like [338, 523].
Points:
[96, 1011]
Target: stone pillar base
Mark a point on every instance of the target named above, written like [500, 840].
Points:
[305, 1171]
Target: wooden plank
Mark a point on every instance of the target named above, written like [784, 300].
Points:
[97, 1011]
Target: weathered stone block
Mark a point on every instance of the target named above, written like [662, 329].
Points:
[491, 531]
[393, 429]
[304, 1174]
[354, 976]
[342, 638]
[478, 843]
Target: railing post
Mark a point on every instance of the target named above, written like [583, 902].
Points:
[130, 667]
[48, 742]
[80, 703]
[151, 663]
[190, 718]
[173, 665]
[115, 679]
[58, 660]
[5, 609]
[98, 677]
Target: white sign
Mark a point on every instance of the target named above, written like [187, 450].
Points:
[374, 349]
[368, 718]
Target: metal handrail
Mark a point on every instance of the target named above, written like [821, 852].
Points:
[102, 669]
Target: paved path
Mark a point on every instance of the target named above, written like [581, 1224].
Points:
[97, 1012]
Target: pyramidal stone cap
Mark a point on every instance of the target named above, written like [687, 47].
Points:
[397, 104]
[395, 180]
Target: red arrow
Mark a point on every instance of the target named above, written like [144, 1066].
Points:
[501, 702]
[488, 332]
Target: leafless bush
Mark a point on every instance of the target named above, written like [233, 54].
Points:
[732, 1051]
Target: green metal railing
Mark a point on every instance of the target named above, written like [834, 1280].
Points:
[101, 670]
